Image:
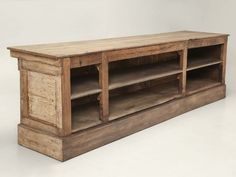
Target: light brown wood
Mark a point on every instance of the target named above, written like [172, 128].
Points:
[194, 43]
[135, 75]
[42, 97]
[133, 102]
[39, 125]
[24, 101]
[66, 98]
[86, 60]
[183, 64]
[81, 87]
[85, 116]
[35, 58]
[69, 49]
[81, 95]
[196, 85]
[195, 63]
[103, 82]
[144, 51]
[43, 143]
[41, 68]
[223, 59]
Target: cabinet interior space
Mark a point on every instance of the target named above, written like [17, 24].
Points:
[130, 99]
[136, 70]
[203, 57]
[85, 112]
[203, 78]
[84, 81]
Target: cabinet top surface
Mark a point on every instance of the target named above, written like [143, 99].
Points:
[76, 48]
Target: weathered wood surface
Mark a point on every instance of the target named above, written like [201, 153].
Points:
[36, 140]
[125, 77]
[64, 148]
[135, 95]
[69, 49]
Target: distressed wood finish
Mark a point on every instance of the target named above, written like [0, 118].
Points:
[80, 142]
[103, 82]
[78, 96]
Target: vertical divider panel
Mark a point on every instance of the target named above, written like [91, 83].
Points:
[66, 97]
[223, 58]
[183, 66]
[23, 91]
[104, 84]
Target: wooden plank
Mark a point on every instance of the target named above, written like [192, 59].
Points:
[66, 98]
[194, 43]
[144, 51]
[199, 84]
[223, 58]
[40, 142]
[183, 65]
[38, 125]
[103, 82]
[41, 68]
[38, 59]
[130, 76]
[24, 100]
[80, 142]
[69, 49]
[85, 116]
[85, 60]
[195, 63]
[129, 103]
[81, 87]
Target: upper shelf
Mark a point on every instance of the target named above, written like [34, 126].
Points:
[70, 49]
[84, 87]
[199, 62]
[143, 73]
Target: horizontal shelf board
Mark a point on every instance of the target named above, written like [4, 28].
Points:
[84, 87]
[133, 102]
[200, 62]
[135, 75]
[196, 85]
[85, 116]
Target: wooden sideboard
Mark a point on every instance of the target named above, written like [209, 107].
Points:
[77, 96]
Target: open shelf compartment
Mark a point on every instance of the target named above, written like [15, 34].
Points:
[84, 81]
[136, 70]
[85, 113]
[131, 99]
[203, 78]
[203, 57]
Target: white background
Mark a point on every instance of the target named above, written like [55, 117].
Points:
[199, 143]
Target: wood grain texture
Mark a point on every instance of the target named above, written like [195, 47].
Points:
[144, 51]
[194, 43]
[183, 76]
[43, 97]
[86, 60]
[66, 98]
[142, 73]
[80, 142]
[103, 82]
[24, 101]
[40, 142]
[81, 95]
[69, 49]
[223, 58]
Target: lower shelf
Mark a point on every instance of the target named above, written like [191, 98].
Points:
[85, 116]
[133, 102]
[195, 85]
